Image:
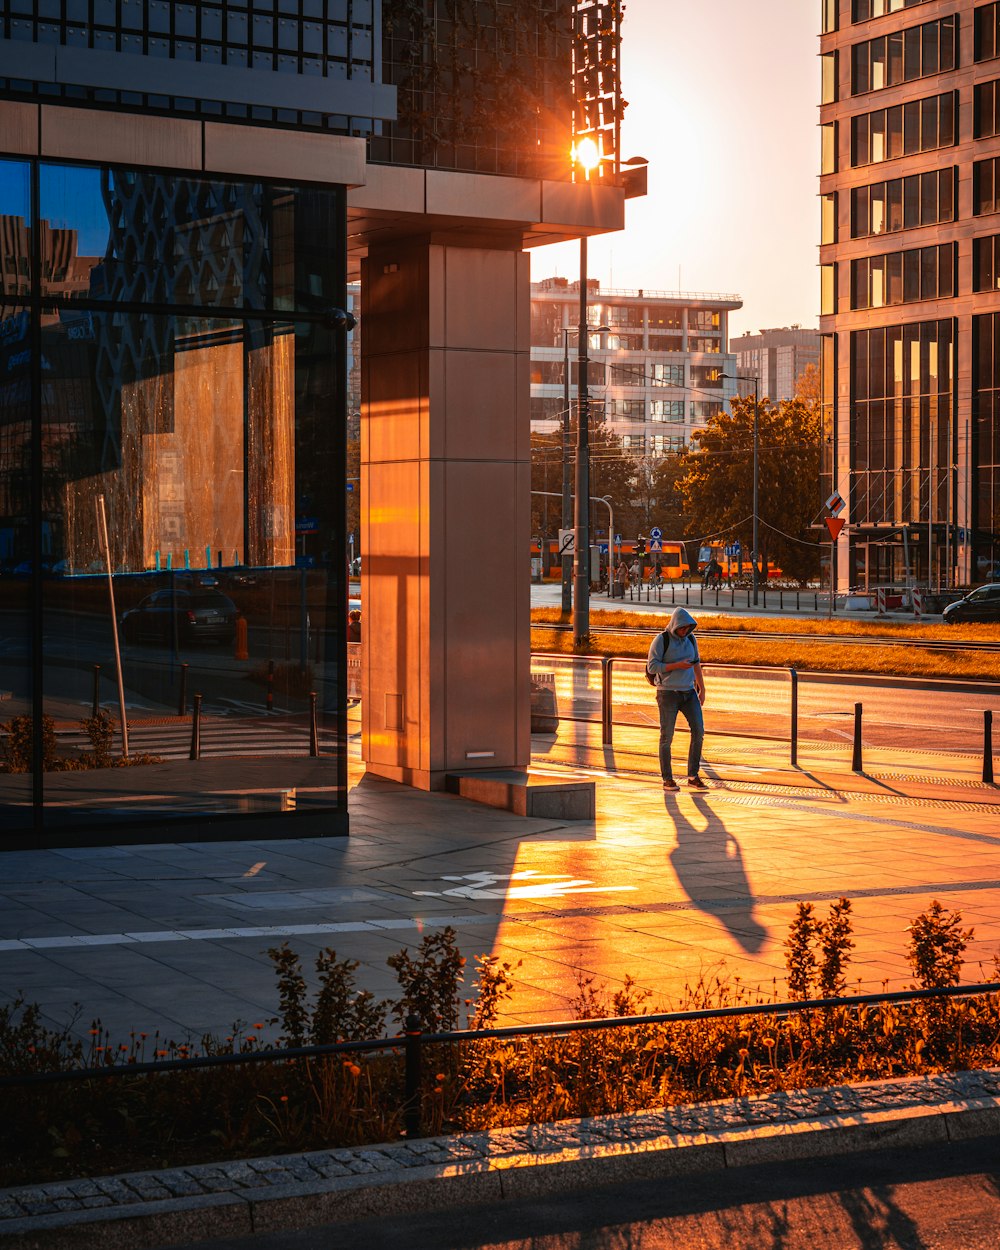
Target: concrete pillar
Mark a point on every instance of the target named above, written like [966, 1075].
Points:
[446, 480]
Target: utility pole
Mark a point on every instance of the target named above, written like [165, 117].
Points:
[581, 516]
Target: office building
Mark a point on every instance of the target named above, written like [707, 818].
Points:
[777, 358]
[185, 192]
[658, 371]
[910, 296]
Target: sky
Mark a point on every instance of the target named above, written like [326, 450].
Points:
[723, 101]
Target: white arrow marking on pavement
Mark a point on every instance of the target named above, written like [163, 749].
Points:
[544, 885]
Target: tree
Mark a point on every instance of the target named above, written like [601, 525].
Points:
[718, 483]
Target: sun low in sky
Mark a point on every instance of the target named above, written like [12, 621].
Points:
[723, 102]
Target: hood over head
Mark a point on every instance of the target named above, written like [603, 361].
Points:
[679, 618]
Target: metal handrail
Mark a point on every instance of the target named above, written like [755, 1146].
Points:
[555, 1028]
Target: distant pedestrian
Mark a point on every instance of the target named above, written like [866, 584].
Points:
[621, 579]
[674, 665]
[635, 572]
[354, 625]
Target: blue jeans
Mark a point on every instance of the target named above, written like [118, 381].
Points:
[669, 703]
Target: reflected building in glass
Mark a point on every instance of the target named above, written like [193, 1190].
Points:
[185, 192]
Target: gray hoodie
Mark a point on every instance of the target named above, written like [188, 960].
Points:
[677, 648]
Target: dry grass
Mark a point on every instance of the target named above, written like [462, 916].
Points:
[825, 626]
[823, 657]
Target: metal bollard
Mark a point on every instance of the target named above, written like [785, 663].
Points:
[182, 697]
[313, 731]
[413, 1059]
[856, 765]
[270, 685]
[795, 719]
[607, 707]
[96, 702]
[195, 753]
[988, 747]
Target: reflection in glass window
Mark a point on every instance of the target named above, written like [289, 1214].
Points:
[142, 237]
[15, 228]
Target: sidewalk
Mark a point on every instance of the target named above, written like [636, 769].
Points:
[665, 888]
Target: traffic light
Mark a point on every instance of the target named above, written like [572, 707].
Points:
[640, 546]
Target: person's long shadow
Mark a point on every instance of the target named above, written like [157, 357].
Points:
[709, 866]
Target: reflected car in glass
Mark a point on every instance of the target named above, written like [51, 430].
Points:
[981, 604]
[197, 615]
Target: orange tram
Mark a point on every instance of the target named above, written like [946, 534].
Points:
[672, 560]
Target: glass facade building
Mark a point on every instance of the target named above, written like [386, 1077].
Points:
[172, 410]
[910, 371]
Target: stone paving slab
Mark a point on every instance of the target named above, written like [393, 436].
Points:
[156, 1209]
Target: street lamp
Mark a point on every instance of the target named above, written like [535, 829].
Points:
[755, 554]
[567, 490]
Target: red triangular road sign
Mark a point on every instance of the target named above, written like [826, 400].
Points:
[834, 524]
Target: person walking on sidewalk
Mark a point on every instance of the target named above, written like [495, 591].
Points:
[674, 667]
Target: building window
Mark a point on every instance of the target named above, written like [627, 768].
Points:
[828, 218]
[633, 442]
[664, 319]
[666, 410]
[828, 151]
[986, 446]
[987, 41]
[986, 109]
[829, 78]
[666, 375]
[903, 203]
[903, 277]
[706, 375]
[665, 343]
[830, 14]
[901, 378]
[547, 373]
[703, 319]
[904, 55]
[702, 409]
[635, 408]
[663, 444]
[628, 315]
[917, 126]
[985, 255]
[986, 186]
[865, 10]
[195, 403]
[699, 344]
[827, 289]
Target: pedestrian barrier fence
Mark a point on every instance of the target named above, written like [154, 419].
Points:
[413, 1041]
[759, 702]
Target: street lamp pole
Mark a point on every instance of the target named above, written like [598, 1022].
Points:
[567, 485]
[581, 517]
[756, 489]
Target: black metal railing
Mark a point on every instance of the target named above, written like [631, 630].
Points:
[412, 1041]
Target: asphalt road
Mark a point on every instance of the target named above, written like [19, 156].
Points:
[937, 1198]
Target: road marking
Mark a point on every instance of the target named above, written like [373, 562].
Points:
[540, 885]
[68, 941]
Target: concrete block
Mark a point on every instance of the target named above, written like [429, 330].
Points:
[540, 795]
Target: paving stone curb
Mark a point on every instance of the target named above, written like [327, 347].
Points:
[142, 1210]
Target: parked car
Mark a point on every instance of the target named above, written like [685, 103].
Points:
[981, 604]
[200, 616]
